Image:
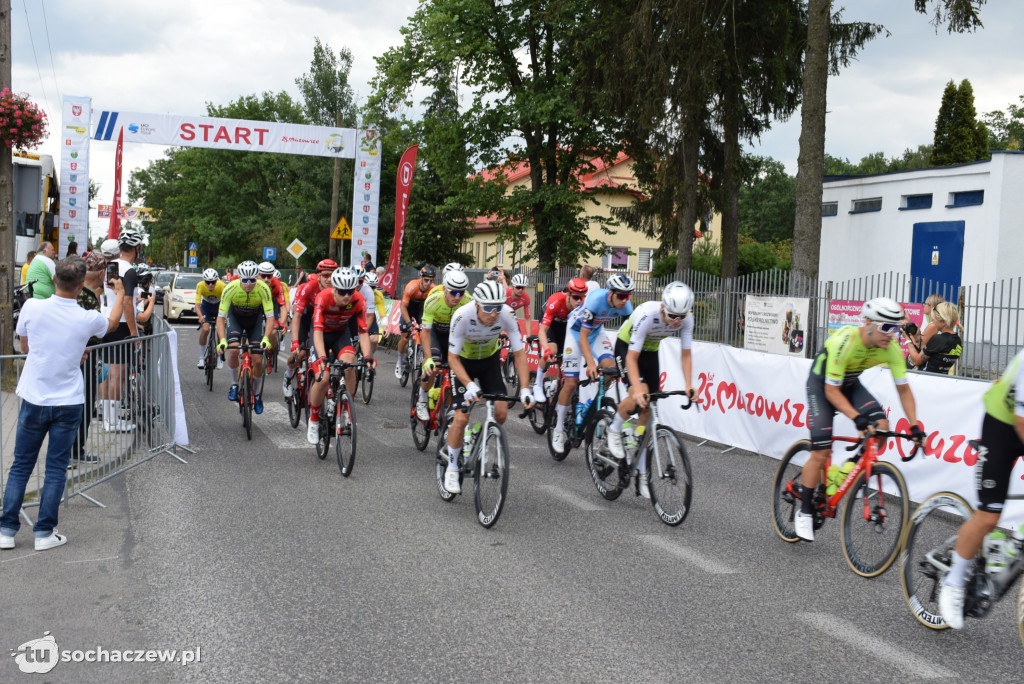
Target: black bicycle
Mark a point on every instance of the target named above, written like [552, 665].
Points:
[365, 375]
[338, 419]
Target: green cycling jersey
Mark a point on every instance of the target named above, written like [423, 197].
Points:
[247, 303]
[1001, 400]
[437, 313]
[845, 357]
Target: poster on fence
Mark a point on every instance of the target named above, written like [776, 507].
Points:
[847, 312]
[775, 324]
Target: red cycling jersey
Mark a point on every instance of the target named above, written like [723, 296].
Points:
[329, 316]
[277, 291]
[305, 297]
[520, 302]
[556, 310]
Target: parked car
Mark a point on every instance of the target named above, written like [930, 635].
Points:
[180, 295]
[161, 280]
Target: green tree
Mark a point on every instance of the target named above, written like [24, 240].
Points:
[959, 136]
[767, 201]
[1006, 129]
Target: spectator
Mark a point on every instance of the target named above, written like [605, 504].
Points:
[41, 270]
[52, 394]
[919, 338]
[72, 249]
[24, 268]
[587, 274]
[944, 347]
[380, 271]
[300, 276]
[367, 263]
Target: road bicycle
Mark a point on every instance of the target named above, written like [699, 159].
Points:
[668, 473]
[210, 356]
[246, 397]
[338, 419]
[508, 364]
[365, 375]
[541, 416]
[298, 403]
[926, 556]
[486, 460]
[421, 429]
[413, 356]
[576, 431]
[874, 515]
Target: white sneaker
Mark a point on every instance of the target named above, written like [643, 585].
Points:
[119, 425]
[202, 364]
[422, 412]
[615, 445]
[645, 491]
[6, 542]
[538, 395]
[313, 432]
[451, 482]
[951, 605]
[51, 542]
[804, 525]
[558, 440]
[287, 388]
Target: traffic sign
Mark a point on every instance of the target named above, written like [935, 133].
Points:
[193, 262]
[270, 254]
[193, 246]
[342, 231]
[296, 248]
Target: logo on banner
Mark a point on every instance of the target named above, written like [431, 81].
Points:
[74, 166]
[73, 201]
[76, 110]
[369, 175]
[406, 172]
[67, 142]
[73, 189]
[73, 177]
[78, 130]
[366, 198]
[335, 143]
[366, 220]
[144, 129]
[74, 155]
[366, 231]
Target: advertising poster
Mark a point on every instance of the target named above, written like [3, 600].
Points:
[775, 324]
[847, 312]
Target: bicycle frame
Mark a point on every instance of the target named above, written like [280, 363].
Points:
[437, 414]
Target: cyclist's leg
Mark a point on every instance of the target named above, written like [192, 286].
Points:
[571, 364]
[650, 375]
[438, 352]
[491, 382]
[344, 350]
[374, 332]
[459, 422]
[255, 333]
[233, 335]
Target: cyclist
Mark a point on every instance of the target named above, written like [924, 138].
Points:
[302, 317]
[473, 356]
[412, 309]
[379, 310]
[518, 298]
[339, 315]
[437, 316]
[246, 304]
[208, 294]
[834, 385]
[266, 274]
[369, 296]
[1002, 439]
[448, 268]
[552, 328]
[585, 343]
[636, 351]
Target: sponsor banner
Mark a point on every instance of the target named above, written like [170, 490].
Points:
[403, 186]
[775, 324]
[127, 213]
[74, 169]
[227, 134]
[847, 312]
[366, 196]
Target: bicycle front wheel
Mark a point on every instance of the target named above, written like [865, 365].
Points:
[367, 385]
[926, 552]
[294, 410]
[323, 443]
[603, 467]
[442, 462]
[671, 479]
[875, 512]
[420, 429]
[785, 489]
[345, 434]
[247, 403]
[491, 476]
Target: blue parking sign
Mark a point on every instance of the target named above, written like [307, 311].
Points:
[270, 254]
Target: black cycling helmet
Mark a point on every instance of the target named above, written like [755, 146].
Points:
[428, 272]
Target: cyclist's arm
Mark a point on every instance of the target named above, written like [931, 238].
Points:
[318, 344]
[527, 316]
[199, 302]
[455, 364]
[542, 335]
[907, 400]
[687, 363]
[222, 327]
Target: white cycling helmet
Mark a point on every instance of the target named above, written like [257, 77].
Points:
[620, 282]
[453, 266]
[371, 278]
[247, 269]
[210, 274]
[265, 268]
[677, 298]
[883, 310]
[519, 280]
[489, 292]
[456, 280]
[109, 249]
[344, 278]
[129, 238]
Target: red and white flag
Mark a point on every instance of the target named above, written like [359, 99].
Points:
[406, 169]
[115, 216]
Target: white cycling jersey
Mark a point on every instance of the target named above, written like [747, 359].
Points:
[471, 339]
[645, 329]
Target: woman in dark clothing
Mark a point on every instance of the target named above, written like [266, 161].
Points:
[943, 350]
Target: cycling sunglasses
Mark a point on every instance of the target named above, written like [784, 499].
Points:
[456, 293]
[622, 296]
[343, 293]
[518, 287]
[675, 317]
[247, 281]
[888, 328]
[210, 283]
[491, 308]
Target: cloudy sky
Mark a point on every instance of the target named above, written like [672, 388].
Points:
[176, 57]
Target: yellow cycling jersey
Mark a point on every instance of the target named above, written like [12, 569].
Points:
[205, 294]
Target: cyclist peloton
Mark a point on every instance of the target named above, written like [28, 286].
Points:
[208, 294]
[266, 274]
[412, 309]
[518, 298]
[636, 351]
[246, 304]
[475, 361]
[1002, 439]
[585, 343]
[339, 315]
[551, 333]
[302, 317]
[437, 316]
[834, 386]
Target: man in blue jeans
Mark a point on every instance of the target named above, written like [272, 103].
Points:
[53, 333]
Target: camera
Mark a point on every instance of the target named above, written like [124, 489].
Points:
[910, 328]
[113, 273]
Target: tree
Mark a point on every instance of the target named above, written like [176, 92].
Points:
[1006, 129]
[959, 136]
[767, 201]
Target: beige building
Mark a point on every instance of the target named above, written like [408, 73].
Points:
[612, 185]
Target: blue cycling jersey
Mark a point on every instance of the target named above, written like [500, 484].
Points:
[594, 312]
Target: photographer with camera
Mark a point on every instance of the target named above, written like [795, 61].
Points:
[944, 347]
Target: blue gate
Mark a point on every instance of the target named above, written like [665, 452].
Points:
[936, 259]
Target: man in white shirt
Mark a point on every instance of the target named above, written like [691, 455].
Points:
[53, 333]
[587, 273]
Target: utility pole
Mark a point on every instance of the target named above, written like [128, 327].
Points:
[6, 196]
[335, 245]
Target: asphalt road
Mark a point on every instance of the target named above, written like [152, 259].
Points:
[279, 569]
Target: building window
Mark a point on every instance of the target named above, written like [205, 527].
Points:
[501, 253]
[483, 263]
[615, 258]
[862, 206]
[966, 199]
[644, 258]
[916, 202]
[477, 251]
[829, 208]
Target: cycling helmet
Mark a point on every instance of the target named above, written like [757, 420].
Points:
[109, 249]
[265, 268]
[144, 274]
[428, 272]
[456, 280]
[453, 266]
[344, 279]
[210, 274]
[129, 238]
[883, 310]
[489, 292]
[277, 274]
[620, 282]
[519, 280]
[247, 269]
[677, 298]
[577, 286]
[327, 265]
[371, 279]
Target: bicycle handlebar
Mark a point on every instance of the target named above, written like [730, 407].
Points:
[487, 398]
[654, 396]
[341, 366]
[886, 434]
[607, 372]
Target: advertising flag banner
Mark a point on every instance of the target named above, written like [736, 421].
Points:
[74, 169]
[406, 169]
[366, 196]
[775, 324]
[127, 213]
[115, 216]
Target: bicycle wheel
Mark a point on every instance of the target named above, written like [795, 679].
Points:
[926, 552]
[671, 479]
[246, 390]
[508, 372]
[323, 444]
[420, 428]
[345, 434]
[603, 467]
[403, 379]
[539, 415]
[442, 462]
[416, 371]
[307, 384]
[785, 497]
[568, 439]
[367, 384]
[490, 481]
[211, 364]
[294, 403]
[875, 512]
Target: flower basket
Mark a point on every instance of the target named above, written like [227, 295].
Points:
[22, 122]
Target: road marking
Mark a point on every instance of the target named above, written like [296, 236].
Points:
[874, 646]
[91, 560]
[274, 423]
[685, 553]
[572, 499]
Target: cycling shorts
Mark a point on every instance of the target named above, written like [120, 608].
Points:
[305, 325]
[1002, 447]
[820, 412]
[415, 310]
[486, 373]
[650, 369]
[573, 360]
[556, 334]
[249, 327]
[337, 343]
[439, 345]
[209, 311]
[374, 328]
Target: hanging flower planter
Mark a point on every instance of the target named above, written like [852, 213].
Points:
[22, 122]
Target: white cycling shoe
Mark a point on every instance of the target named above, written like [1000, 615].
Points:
[313, 432]
[804, 525]
[422, 412]
[558, 440]
[645, 491]
[615, 445]
[951, 605]
[451, 482]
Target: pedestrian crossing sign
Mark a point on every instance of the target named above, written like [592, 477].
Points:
[342, 231]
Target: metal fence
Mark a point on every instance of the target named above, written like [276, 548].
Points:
[139, 376]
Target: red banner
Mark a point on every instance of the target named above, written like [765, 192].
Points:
[406, 169]
[115, 223]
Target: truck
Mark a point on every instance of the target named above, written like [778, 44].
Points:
[36, 204]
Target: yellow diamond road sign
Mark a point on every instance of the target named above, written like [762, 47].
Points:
[296, 248]
[342, 231]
